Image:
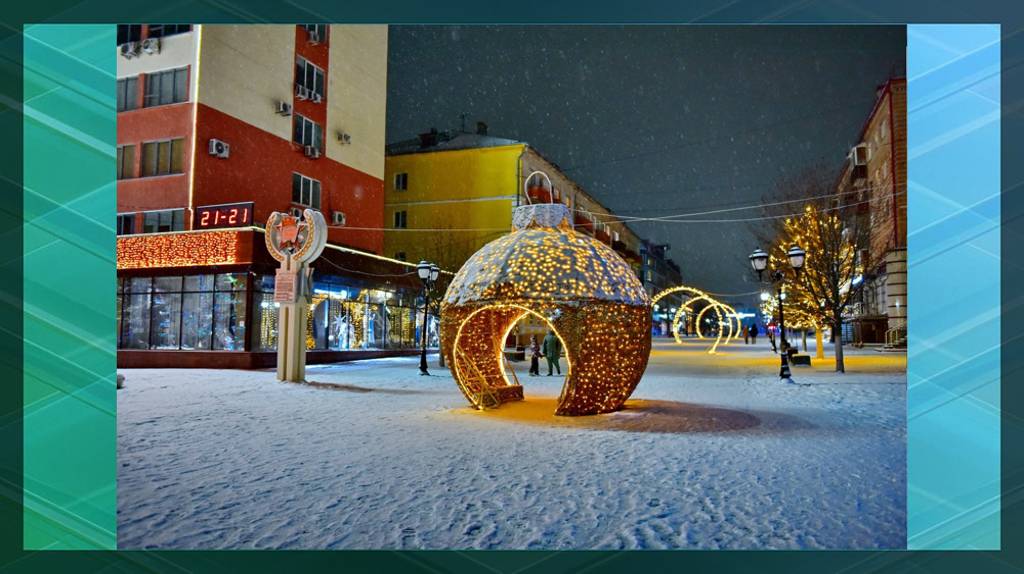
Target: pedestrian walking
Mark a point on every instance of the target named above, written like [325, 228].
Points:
[534, 356]
[753, 333]
[746, 335]
[552, 350]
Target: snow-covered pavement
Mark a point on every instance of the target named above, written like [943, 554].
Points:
[711, 452]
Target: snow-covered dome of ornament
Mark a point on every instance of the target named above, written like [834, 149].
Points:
[581, 288]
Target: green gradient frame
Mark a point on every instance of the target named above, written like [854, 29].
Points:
[75, 385]
[70, 425]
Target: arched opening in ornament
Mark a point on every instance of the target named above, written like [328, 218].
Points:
[482, 368]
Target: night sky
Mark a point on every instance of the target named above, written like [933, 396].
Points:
[655, 120]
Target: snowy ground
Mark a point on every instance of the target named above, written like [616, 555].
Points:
[713, 452]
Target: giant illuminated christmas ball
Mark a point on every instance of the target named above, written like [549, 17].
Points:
[578, 286]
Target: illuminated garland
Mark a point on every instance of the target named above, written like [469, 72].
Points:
[586, 294]
[182, 249]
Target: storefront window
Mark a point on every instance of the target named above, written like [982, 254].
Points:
[197, 319]
[208, 312]
[136, 322]
[120, 310]
[229, 321]
[166, 320]
[318, 323]
[230, 282]
[194, 312]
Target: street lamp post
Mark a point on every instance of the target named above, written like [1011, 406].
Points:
[428, 273]
[759, 261]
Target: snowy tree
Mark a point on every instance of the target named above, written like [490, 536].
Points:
[832, 229]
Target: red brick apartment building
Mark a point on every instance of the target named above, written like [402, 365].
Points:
[218, 126]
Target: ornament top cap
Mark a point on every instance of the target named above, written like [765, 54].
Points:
[541, 215]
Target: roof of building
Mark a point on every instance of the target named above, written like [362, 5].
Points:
[450, 140]
[447, 141]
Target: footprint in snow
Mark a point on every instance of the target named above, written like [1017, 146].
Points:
[409, 538]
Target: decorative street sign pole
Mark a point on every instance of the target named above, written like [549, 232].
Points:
[295, 243]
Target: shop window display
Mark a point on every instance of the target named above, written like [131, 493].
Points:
[192, 312]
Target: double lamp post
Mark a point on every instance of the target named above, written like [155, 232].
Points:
[428, 273]
[759, 261]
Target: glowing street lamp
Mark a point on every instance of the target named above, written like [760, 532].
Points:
[759, 261]
[428, 273]
[796, 257]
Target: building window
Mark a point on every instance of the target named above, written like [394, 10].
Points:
[194, 312]
[125, 223]
[401, 219]
[167, 87]
[127, 94]
[305, 191]
[163, 221]
[164, 30]
[308, 132]
[309, 76]
[163, 158]
[128, 33]
[400, 255]
[125, 161]
[401, 181]
[315, 32]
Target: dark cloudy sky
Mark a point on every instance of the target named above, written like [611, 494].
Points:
[654, 120]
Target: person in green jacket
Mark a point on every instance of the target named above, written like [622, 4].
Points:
[552, 349]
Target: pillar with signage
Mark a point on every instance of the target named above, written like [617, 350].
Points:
[295, 243]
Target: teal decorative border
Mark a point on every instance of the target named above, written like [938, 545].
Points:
[70, 496]
[953, 221]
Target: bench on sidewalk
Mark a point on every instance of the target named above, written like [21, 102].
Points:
[800, 360]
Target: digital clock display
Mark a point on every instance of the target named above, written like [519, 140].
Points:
[226, 215]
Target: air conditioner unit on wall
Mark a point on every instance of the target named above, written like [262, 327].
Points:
[301, 92]
[151, 45]
[283, 109]
[315, 97]
[313, 38]
[344, 138]
[859, 154]
[312, 152]
[338, 218]
[219, 148]
[130, 49]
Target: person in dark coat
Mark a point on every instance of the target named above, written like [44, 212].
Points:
[753, 333]
[534, 356]
[552, 351]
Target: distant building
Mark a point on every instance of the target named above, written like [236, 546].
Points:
[875, 180]
[658, 271]
[469, 183]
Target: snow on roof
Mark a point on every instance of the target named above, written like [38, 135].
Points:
[446, 141]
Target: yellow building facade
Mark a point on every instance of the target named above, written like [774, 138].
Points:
[447, 196]
[466, 195]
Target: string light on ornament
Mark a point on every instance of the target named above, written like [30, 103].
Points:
[579, 287]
